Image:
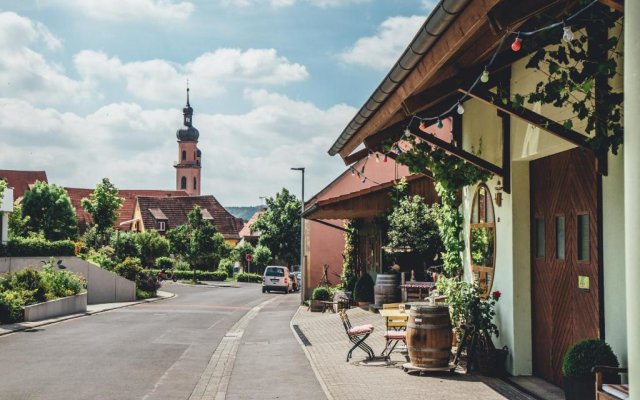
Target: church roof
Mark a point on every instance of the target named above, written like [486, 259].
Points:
[176, 210]
[21, 181]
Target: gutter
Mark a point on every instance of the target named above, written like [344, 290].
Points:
[445, 12]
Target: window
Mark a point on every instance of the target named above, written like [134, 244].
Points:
[560, 239]
[183, 182]
[540, 238]
[482, 238]
[184, 155]
[162, 226]
[274, 271]
[195, 183]
[583, 237]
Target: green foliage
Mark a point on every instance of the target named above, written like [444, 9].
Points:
[103, 205]
[151, 245]
[61, 283]
[480, 245]
[124, 244]
[104, 257]
[217, 275]
[165, 263]
[36, 247]
[413, 224]
[95, 239]
[129, 269]
[182, 265]
[29, 280]
[11, 307]
[363, 290]
[179, 239]
[205, 242]
[240, 252]
[18, 224]
[280, 227]
[350, 256]
[50, 212]
[143, 294]
[321, 293]
[3, 186]
[262, 256]
[226, 265]
[586, 354]
[247, 277]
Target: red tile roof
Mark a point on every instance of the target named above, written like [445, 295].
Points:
[246, 229]
[176, 210]
[128, 206]
[20, 180]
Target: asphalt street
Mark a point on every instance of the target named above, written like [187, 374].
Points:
[160, 350]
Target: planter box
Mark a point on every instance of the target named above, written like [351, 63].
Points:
[316, 305]
[56, 308]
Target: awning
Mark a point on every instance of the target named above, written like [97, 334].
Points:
[370, 202]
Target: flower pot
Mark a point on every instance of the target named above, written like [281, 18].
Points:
[316, 305]
[491, 362]
[579, 388]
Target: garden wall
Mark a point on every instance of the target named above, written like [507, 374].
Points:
[56, 308]
[102, 286]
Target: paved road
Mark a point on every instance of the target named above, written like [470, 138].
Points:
[148, 351]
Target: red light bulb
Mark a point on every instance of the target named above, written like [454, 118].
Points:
[517, 44]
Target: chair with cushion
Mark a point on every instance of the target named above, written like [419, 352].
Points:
[609, 391]
[392, 338]
[357, 335]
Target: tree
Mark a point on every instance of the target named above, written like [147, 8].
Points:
[125, 245]
[280, 227]
[262, 256]
[179, 239]
[50, 212]
[18, 224]
[151, 245]
[103, 206]
[239, 253]
[205, 242]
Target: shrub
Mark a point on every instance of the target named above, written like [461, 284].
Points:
[363, 291]
[102, 257]
[61, 283]
[182, 266]
[200, 275]
[11, 307]
[247, 277]
[30, 281]
[321, 293]
[151, 245]
[124, 244]
[142, 295]
[37, 247]
[147, 282]
[585, 355]
[226, 265]
[129, 269]
[219, 275]
[165, 263]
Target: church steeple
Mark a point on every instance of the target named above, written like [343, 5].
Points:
[188, 112]
[189, 156]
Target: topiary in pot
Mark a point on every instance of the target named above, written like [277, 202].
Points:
[579, 382]
[363, 291]
[319, 295]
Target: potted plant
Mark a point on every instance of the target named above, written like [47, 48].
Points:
[319, 295]
[363, 291]
[578, 381]
[481, 313]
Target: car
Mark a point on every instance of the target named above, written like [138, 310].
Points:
[276, 278]
[295, 283]
[298, 275]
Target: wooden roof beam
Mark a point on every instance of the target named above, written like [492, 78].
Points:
[357, 156]
[617, 5]
[530, 117]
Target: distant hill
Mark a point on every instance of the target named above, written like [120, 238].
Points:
[243, 212]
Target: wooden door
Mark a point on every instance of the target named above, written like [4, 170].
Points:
[564, 238]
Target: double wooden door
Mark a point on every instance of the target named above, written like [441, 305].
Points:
[564, 277]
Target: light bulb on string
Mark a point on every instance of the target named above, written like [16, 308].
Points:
[385, 157]
[369, 155]
[364, 179]
[362, 170]
[377, 158]
[407, 132]
[517, 44]
[484, 78]
[567, 34]
[440, 124]
[353, 172]
[423, 126]
[460, 109]
[398, 150]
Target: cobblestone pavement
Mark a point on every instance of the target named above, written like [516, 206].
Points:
[326, 345]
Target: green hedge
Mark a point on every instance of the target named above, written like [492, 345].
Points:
[247, 277]
[200, 275]
[37, 247]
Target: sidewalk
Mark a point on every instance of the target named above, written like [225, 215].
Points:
[326, 345]
[91, 309]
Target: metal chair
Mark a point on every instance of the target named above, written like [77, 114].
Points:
[357, 335]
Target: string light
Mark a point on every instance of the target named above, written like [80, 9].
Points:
[407, 132]
[440, 124]
[398, 150]
[362, 170]
[484, 78]
[385, 158]
[517, 43]
[364, 179]
[460, 109]
[567, 34]
[353, 171]
[377, 158]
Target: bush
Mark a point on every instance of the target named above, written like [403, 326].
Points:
[11, 307]
[124, 244]
[363, 290]
[37, 247]
[151, 246]
[321, 293]
[182, 266]
[142, 294]
[147, 282]
[227, 266]
[30, 281]
[247, 277]
[61, 283]
[585, 355]
[129, 269]
[200, 275]
[103, 257]
[165, 263]
[219, 275]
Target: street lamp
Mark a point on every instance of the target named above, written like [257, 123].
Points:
[302, 274]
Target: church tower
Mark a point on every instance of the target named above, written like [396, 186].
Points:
[188, 166]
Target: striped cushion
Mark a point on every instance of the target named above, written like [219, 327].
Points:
[619, 391]
[360, 329]
[395, 335]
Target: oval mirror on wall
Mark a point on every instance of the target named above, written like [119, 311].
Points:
[482, 238]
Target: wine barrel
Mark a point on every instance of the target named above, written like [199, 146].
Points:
[386, 289]
[429, 336]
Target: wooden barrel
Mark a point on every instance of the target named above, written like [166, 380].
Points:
[429, 336]
[386, 289]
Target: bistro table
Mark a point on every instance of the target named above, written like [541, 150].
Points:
[395, 318]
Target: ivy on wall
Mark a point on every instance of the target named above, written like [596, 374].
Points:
[350, 255]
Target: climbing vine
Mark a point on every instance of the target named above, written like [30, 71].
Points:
[3, 186]
[350, 255]
[451, 174]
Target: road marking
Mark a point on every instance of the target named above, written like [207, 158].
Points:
[215, 379]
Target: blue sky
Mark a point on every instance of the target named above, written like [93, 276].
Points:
[94, 88]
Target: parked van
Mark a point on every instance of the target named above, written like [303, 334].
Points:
[276, 278]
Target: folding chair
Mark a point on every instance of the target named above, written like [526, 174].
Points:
[393, 337]
[357, 335]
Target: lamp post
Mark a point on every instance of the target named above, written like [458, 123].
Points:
[302, 274]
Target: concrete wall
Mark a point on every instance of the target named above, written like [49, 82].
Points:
[102, 286]
[323, 245]
[56, 308]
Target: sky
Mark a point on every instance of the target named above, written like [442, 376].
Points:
[94, 88]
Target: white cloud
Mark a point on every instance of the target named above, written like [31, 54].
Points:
[210, 72]
[26, 73]
[244, 155]
[288, 3]
[121, 10]
[383, 49]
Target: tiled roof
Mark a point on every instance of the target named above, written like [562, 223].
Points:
[176, 210]
[128, 206]
[20, 181]
[157, 213]
[246, 229]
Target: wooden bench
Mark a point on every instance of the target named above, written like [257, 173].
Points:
[607, 391]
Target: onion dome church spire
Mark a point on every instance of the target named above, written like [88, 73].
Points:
[189, 165]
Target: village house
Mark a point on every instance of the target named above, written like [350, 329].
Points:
[553, 209]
